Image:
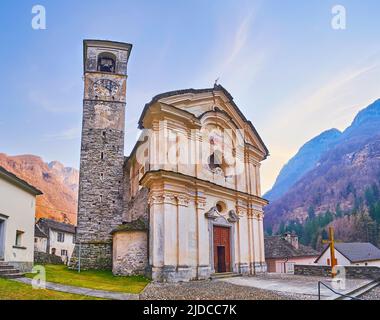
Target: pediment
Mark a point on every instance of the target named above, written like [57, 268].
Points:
[208, 105]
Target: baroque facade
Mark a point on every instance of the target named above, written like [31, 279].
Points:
[187, 202]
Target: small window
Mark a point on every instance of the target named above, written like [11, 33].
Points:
[102, 155]
[328, 262]
[215, 160]
[35, 240]
[221, 206]
[106, 62]
[53, 251]
[61, 237]
[63, 253]
[19, 235]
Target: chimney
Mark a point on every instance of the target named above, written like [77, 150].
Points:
[292, 238]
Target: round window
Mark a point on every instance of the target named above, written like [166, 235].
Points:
[220, 206]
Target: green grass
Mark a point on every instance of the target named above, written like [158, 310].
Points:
[94, 279]
[12, 290]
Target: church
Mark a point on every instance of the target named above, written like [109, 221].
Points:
[186, 203]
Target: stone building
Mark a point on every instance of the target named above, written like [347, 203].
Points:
[186, 203]
[283, 252]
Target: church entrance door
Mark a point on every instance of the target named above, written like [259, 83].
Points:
[222, 249]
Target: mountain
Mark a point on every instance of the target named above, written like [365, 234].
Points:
[305, 160]
[58, 183]
[344, 180]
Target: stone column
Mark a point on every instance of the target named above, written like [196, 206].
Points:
[156, 235]
[183, 223]
[204, 263]
[170, 237]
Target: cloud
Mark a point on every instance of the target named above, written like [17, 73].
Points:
[329, 104]
[67, 134]
[239, 54]
[57, 99]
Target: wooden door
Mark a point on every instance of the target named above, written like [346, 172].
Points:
[222, 249]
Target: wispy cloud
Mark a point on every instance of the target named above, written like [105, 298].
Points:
[239, 55]
[332, 103]
[56, 99]
[67, 134]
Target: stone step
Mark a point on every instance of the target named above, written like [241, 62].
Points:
[8, 270]
[225, 275]
[358, 292]
[12, 275]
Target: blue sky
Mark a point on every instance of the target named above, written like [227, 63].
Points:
[288, 70]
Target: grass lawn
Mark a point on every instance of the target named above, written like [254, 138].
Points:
[12, 290]
[94, 279]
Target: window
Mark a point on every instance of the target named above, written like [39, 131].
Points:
[61, 237]
[102, 155]
[19, 235]
[221, 207]
[35, 240]
[53, 250]
[63, 253]
[215, 160]
[328, 262]
[106, 62]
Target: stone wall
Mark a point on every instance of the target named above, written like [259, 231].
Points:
[130, 252]
[353, 272]
[92, 256]
[46, 258]
[312, 270]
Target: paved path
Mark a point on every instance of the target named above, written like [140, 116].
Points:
[85, 291]
[295, 284]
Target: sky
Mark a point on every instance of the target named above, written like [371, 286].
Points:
[290, 72]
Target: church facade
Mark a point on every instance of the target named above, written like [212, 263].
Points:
[186, 203]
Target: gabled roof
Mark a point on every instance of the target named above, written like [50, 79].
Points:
[356, 251]
[56, 225]
[277, 247]
[12, 178]
[199, 91]
[38, 232]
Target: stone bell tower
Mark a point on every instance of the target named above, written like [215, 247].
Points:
[100, 201]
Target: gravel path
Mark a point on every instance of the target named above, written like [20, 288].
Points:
[211, 290]
[374, 294]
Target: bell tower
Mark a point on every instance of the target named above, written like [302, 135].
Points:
[100, 202]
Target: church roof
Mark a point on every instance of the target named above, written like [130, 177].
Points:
[356, 251]
[199, 91]
[277, 247]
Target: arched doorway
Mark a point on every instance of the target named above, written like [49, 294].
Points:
[222, 249]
